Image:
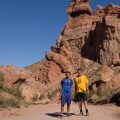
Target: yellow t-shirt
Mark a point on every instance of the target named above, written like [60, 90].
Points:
[81, 83]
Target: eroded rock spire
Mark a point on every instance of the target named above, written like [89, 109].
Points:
[79, 7]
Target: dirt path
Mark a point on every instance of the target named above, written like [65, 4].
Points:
[50, 112]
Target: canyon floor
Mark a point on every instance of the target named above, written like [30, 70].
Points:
[51, 112]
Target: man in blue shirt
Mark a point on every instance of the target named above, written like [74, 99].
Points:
[66, 92]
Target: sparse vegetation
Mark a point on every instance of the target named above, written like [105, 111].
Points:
[42, 96]
[52, 94]
[43, 59]
[1, 79]
[5, 103]
[104, 92]
[92, 92]
[14, 91]
[35, 98]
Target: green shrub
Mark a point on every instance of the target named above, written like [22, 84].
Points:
[92, 92]
[35, 98]
[42, 96]
[14, 90]
[1, 79]
[5, 103]
[52, 94]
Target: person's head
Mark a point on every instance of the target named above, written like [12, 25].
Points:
[79, 71]
[67, 74]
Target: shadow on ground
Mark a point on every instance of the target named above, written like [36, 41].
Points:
[57, 114]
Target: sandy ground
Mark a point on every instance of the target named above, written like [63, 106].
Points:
[50, 112]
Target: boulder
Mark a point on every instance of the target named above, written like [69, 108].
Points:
[107, 74]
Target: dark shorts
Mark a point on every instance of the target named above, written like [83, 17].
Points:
[66, 99]
[81, 97]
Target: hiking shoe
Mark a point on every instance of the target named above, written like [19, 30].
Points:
[81, 112]
[87, 113]
[61, 116]
[68, 114]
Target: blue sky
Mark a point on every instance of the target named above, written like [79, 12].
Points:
[29, 27]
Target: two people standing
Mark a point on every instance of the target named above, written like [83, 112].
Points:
[81, 91]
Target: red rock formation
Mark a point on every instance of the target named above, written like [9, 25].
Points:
[87, 42]
[110, 9]
[79, 7]
[12, 74]
[107, 38]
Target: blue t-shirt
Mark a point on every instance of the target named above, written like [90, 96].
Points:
[66, 85]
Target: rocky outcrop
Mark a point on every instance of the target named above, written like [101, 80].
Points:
[61, 56]
[88, 42]
[46, 76]
[107, 39]
[13, 74]
[106, 74]
[110, 9]
[79, 7]
[65, 56]
[94, 45]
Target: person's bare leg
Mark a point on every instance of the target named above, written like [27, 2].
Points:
[80, 107]
[62, 109]
[86, 107]
[68, 108]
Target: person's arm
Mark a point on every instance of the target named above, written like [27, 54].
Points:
[87, 86]
[75, 87]
[72, 86]
[60, 91]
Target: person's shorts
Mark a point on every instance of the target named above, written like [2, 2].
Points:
[80, 97]
[66, 99]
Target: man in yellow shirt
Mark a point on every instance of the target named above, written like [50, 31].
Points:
[81, 89]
